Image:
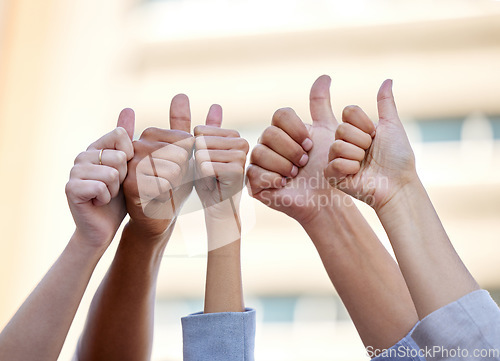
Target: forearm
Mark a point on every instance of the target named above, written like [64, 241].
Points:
[365, 276]
[433, 271]
[223, 291]
[120, 321]
[38, 329]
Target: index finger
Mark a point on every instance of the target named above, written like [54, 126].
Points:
[117, 139]
[287, 120]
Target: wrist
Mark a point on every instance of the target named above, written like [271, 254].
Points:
[89, 249]
[222, 231]
[229, 208]
[338, 205]
[146, 236]
[403, 196]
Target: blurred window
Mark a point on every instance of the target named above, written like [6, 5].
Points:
[440, 130]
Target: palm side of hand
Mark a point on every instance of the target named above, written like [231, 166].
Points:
[389, 163]
[220, 156]
[384, 170]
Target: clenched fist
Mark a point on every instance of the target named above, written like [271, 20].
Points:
[94, 189]
[371, 163]
[160, 175]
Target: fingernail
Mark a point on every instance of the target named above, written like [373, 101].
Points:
[294, 171]
[283, 181]
[373, 133]
[307, 144]
[303, 160]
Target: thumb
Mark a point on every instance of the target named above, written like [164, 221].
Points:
[126, 120]
[319, 101]
[387, 111]
[214, 116]
[180, 113]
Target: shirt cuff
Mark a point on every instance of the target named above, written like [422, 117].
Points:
[467, 329]
[404, 350]
[219, 336]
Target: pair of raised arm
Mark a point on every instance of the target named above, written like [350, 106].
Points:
[149, 179]
[309, 172]
[374, 164]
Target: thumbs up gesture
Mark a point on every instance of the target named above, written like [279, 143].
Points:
[220, 156]
[371, 163]
[160, 175]
[94, 190]
[286, 166]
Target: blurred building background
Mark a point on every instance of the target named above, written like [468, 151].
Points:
[68, 67]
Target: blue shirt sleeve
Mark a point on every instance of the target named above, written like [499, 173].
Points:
[405, 350]
[467, 329]
[225, 336]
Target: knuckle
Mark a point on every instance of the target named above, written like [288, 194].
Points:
[241, 156]
[350, 110]
[250, 172]
[257, 153]
[336, 165]
[73, 173]
[269, 134]
[80, 157]
[68, 189]
[149, 132]
[198, 130]
[241, 144]
[140, 148]
[121, 156]
[337, 147]
[101, 188]
[114, 175]
[341, 131]
[120, 132]
[245, 147]
[281, 115]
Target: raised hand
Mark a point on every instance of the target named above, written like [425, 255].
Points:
[160, 176]
[371, 164]
[220, 156]
[94, 188]
[286, 170]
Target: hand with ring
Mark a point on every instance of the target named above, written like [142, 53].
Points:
[94, 188]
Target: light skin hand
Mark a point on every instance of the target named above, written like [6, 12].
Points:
[38, 329]
[288, 162]
[94, 191]
[220, 156]
[371, 163]
[160, 176]
[220, 160]
[386, 179]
